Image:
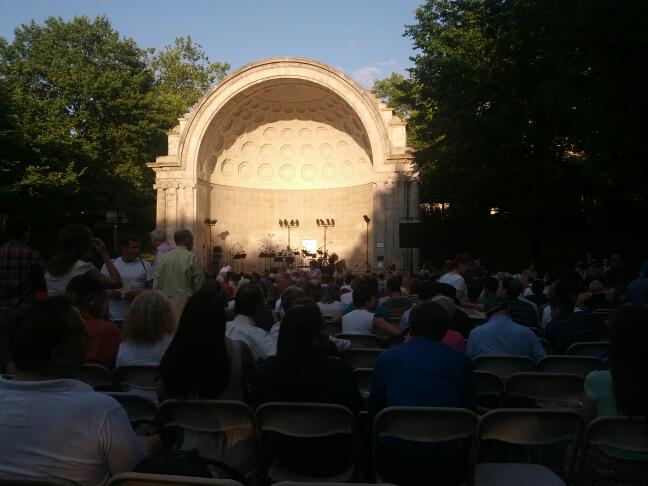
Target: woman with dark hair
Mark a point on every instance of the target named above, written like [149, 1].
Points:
[200, 362]
[75, 242]
[302, 372]
[623, 389]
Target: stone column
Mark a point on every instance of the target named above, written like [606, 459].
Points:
[160, 213]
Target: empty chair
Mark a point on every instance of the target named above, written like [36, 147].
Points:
[139, 409]
[300, 426]
[219, 429]
[589, 349]
[362, 340]
[361, 358]
[527, 427]
[502, 365]
[97, 376]
[364, 378]
[424, 425]
[578, 365]
[489, 390]
[139, 479]
[558, 389]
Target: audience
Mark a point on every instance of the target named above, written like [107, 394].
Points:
[160, 243]
[460, 265]
[103, 337]
[75, 241]
[501, 335]
[330, 305]
[136, 275]
[361, 320]
[522, 311]
[623, 389]
[301, 372]
[200, 361]
[568, 326]
[249, 303]
[21, 277]
[638, 289]
[148, 330]
[424, 373]
[52, 425]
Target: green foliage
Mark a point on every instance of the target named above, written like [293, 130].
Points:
[82, 110]
[395, 91]
[535, 107]
[183, 73]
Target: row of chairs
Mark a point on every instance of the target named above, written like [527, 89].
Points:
[530, 428]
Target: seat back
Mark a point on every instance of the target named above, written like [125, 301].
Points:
[589, 349]
[34, 481]
[140, 479]
[96, 376]
[421, 424]
[139, 409]
[544, 386]
[504, 365]
[305, 420]
[223, 430]
[489, 390]
[578, 365]
[361, 358]
[364, 378]
[141, 377]
[525, 426]
[625, 433]
[546, 345]
[362, 341]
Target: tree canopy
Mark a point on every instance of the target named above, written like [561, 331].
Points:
[531, 109]
[82, 109]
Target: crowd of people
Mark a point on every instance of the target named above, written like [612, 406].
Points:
[265, 337]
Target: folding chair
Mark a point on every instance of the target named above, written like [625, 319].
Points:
[362, 341]
[305, 421]
[361, 358]
[34, 481]
[333, 328]
[295, 483]
[139, 380]
[561, 389]
[364, 378]
[526, 427]
[626, 434]
[97, 376]
[222, 430]
[546, 345]
[578, 365]
[489, 390]
[139, 409]
[139, 479]
[421, 424]
[589, 349]
[538, 332]
[504, 365]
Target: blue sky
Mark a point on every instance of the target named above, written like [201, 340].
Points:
[361, 37]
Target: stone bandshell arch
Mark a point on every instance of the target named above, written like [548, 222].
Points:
[185, 195]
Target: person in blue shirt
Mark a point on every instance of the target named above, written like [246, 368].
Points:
[422, 372]
[637, 290]
[502, 335]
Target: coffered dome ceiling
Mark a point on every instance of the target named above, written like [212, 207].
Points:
[286, 134]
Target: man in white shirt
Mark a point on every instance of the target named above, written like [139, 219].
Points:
[136, 274]
[54, 426]
[248, 304]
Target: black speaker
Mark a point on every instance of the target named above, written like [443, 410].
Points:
[410, 234]
[217, 251]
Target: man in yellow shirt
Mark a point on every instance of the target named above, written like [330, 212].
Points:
[179, 274]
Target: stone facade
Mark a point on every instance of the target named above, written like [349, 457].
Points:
[289, 139]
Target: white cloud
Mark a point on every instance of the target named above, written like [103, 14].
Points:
[366, 75]
[353, 43]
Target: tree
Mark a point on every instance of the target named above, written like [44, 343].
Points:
[395, 91]
[183, 74]
[533, 107]
[82, 110]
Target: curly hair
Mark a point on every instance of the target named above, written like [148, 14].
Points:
[150, 317]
